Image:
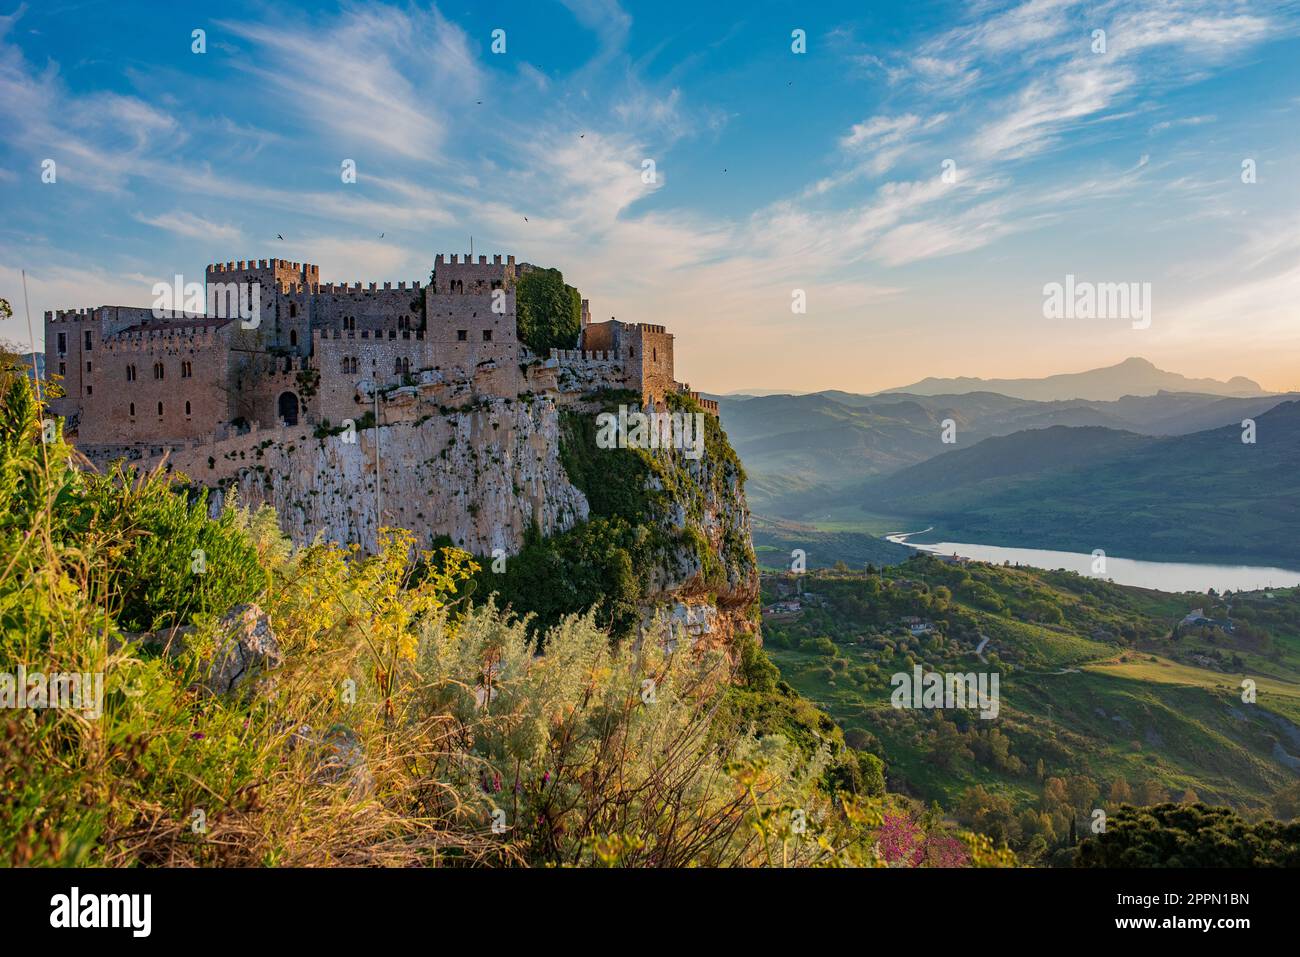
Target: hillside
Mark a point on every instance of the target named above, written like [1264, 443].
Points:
[1201, 497]
[1104, 696]
[800, 451]
[1133, 376]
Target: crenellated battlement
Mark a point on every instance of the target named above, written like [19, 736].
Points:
[568, 357]
[359, 289]
[71, 315]
[453, 274]
[453, 259]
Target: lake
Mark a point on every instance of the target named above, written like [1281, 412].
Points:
[1165, 576]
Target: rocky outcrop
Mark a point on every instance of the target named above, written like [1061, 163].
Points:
[245, 652]
[480, 476]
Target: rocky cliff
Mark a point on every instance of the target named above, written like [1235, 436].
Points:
[658, 538]
[480, 476]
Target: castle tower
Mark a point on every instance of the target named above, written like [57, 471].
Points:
[451, 274]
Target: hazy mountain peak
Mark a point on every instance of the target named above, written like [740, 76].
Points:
[1134, 376]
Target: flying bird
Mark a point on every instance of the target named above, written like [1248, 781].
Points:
[279, 237]
[525, 219]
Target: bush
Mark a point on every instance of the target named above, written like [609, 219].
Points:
[1189, 835]
[548, 312]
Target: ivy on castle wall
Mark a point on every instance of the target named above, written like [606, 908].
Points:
[548, 312]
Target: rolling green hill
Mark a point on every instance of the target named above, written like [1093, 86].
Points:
[1105, 698]
[1206, 497]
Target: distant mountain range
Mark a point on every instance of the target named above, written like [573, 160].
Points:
[1132, 459]
[1131, 377]
[801, 451]
[1207, 496]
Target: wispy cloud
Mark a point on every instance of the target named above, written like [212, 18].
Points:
[376, 76]
[181, 223]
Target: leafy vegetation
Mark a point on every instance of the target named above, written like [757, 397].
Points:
[636, 497]
[1189, 835]
[548, 311]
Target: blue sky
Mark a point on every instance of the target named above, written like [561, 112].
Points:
[775, 171]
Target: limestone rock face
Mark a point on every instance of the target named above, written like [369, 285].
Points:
[246, 652]
[481, 476]
[680, 599]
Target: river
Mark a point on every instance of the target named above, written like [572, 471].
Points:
[1165, 576]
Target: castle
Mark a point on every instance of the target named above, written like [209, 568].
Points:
[321, 354]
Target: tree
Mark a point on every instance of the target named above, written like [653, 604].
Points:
[548, 312]
[1083, 792]
[1120, 792]
[1151, 791]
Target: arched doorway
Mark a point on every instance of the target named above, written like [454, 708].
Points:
[289, 408]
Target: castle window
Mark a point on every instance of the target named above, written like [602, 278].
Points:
[130, 373]
[187, 370]
[631, 352]
[187, 410]
[654, 355]
[90, 390]
[462, 335]
[293, 337]
[90, 367]
[159, 410]
[487, 335]
[158, 370]
[63, 368]
[87, 340]
[293, 310]
[350, 323]
[63, 343]
[132, 410]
